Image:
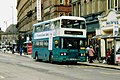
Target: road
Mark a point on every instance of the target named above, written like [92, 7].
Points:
[15, 67]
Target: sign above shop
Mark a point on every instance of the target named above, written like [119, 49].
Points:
[110, 19]
[112, 22]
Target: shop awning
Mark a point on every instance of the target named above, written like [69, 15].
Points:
[105, 36]
[101, 36]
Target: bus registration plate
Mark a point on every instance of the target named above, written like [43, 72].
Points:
[73, 59]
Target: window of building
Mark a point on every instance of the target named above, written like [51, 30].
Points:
[116, 5]
[113, 4]
[85, 8]
[119, 5]
[61, 2]
[74, 10]
[116, 2]
[79, 8]
[109, 4]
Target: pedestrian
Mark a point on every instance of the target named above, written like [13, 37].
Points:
[112, 56]
[108, 56]
[21, 50]
[13, 46]
[91, 54]
[4, 49]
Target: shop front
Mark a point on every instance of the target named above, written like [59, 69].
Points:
[109, 34]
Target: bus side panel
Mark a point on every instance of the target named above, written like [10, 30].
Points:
[42, 53]
[33, 52]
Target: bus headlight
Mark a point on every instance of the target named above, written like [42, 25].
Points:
[82, 54]
[63, 54]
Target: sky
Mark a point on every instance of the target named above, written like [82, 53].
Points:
[7, 9]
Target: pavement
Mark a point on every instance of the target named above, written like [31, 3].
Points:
[96, 63]
[103, 65]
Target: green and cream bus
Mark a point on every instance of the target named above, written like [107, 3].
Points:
[60, 39]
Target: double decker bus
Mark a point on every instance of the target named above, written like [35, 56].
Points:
[60, 39]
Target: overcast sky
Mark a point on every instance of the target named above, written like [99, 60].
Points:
[7, 7]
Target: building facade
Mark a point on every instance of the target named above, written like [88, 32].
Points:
[56, 8]
[30, 10]
[27, 14]
[110, 29]
[91, 10]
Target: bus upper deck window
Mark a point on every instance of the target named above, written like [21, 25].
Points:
[64, 23]
[52, 26]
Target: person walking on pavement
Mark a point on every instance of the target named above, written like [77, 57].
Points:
[13, 46]
[21, 50]
[91, 54]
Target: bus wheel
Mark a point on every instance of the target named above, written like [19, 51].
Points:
[51, 58]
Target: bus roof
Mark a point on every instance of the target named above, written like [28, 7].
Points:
[69, 17]
[61, 17]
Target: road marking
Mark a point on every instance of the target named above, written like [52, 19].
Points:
[2, 77]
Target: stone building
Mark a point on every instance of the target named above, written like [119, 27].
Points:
[100, 16]
[10, 36]
[56, 8]
[90, 9]
[27, 12]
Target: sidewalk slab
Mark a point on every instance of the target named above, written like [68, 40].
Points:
[100, 65]
[25, 55]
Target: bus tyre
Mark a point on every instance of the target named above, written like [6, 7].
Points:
[51, 58]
